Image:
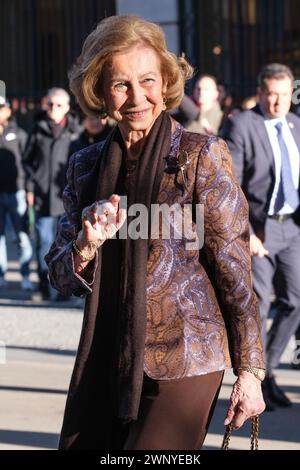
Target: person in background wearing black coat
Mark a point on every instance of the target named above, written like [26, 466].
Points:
[45, 162]
[12, 193]
[95, 129]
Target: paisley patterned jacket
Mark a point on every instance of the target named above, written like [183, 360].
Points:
[202, 313]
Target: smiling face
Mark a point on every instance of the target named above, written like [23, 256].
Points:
[133, 89]
[275, 97]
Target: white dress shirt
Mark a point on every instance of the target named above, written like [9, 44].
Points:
[293, 156]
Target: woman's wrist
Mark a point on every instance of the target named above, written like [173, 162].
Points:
[246, 377]
[256, 372]
[86, 250]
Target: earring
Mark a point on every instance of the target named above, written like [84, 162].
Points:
[103, 110]
[164, 102]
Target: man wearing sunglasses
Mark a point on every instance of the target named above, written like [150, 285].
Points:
[45, 161]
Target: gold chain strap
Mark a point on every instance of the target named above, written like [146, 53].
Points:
[254, 433]
[253, 437]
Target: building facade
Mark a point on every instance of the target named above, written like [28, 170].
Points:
[40, 39]
[231, 39]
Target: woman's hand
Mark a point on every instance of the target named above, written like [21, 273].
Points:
[256, 247]
[246, 400]
[100, 221]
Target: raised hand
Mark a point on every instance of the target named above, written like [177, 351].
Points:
[100, 221]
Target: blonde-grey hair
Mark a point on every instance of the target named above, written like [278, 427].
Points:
[117, 34]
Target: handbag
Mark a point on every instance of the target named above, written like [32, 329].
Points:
[253, 437]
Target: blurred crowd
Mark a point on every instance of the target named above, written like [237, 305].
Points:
[37, 140]
[35, 145]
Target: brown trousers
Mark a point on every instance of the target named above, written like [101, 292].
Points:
[175, 414]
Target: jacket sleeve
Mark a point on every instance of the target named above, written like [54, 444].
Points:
[22, 140]
[226, 245]
[186, 112]
[21, 179]
[29, 160]
[60, 259]
[232, 133]
[189, 109]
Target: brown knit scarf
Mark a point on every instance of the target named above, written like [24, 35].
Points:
[130, 266]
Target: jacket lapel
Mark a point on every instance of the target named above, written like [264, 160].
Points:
[90, 189]
[262, 135]
[87, 195]
[295, 130]
[294, 126]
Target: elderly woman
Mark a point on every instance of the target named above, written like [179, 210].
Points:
[162, 321]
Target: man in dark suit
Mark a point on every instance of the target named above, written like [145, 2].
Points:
[265, 146]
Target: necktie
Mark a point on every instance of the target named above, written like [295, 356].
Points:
[286, 191]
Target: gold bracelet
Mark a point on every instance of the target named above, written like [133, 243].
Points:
[79, 253]
[257, 372]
